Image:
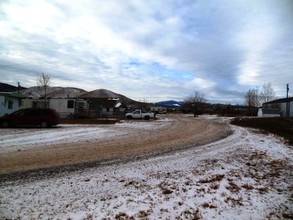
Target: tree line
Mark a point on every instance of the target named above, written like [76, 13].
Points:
[197, 103]
[256, 97]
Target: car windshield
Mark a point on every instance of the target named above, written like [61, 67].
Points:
[19, 112]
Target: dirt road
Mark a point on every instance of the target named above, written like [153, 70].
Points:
[178, 132]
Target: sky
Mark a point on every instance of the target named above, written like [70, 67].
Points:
[150, 50]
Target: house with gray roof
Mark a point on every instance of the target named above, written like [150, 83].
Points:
[103, 103]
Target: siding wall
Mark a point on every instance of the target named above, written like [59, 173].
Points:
[283, 109]
[62, 107]
[4, 108]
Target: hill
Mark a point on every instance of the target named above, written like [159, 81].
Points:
[9, 88]
[104, 93]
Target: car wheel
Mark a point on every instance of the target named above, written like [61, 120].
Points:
[44, 124]
[129, 117]
[4, 124]
[147, 118]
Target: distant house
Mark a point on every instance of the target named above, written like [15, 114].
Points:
[268, 112]
[103, 103]
[284, 106]
[9, 102]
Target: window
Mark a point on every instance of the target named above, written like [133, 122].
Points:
[10, 104]
[40, 104]
[19, 112]
[70, 104]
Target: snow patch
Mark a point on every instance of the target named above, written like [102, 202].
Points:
[244, 176]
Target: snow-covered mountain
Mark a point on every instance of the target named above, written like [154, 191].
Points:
[169, 103]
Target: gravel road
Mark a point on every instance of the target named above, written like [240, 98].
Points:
[65, 145]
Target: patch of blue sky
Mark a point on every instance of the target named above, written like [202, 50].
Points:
[156, 69]
[177, 75]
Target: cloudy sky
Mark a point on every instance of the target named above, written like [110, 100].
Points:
[150, 50]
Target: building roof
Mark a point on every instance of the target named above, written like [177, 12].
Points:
[36, 92]
[66, 92]
[109, 103]
[283, 100]
[12, 94]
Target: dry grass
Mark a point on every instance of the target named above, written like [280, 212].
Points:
[247, 186]
[193, 214]
[208, 205]
[214, 178]
[234, 201]
[233, 187]
[282, 127]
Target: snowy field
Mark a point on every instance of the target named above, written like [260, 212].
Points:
[244, 176]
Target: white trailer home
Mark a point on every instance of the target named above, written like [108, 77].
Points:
[66, 107]
[9, 102]
[63, 100]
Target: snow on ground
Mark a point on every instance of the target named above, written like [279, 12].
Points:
[244, 176]
[20, 139]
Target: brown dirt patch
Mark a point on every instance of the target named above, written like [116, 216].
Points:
[183, 132]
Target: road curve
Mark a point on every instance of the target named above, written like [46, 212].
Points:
[181, 133]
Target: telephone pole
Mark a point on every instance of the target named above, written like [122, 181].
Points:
[287, 102]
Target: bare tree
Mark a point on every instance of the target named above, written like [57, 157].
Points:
[256, 97]
[44, 82]
[267, 94]
[196, 101]
[252, 98]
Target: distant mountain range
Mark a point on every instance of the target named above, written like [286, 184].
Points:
[169, 103]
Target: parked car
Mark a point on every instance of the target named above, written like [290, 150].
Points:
[31, 117]
[139, 114]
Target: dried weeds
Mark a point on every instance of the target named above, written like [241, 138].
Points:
[214, 178]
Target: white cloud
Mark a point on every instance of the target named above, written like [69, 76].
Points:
[255, 39]
[144, 48]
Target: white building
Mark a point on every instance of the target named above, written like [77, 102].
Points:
[9, 102]
[268, 112]
[285, 106]
[66, 107]
[63, 100]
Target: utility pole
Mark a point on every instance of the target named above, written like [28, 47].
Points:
[18, 87]
[287, 102]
